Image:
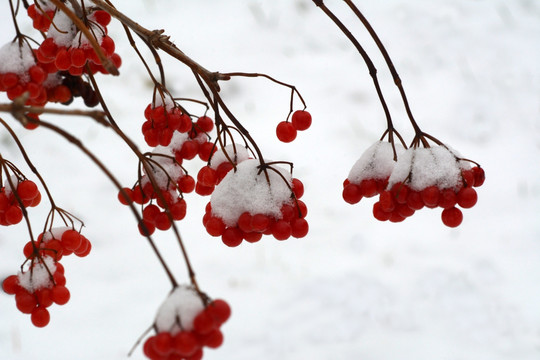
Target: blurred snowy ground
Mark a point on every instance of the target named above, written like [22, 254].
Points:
[355, 288]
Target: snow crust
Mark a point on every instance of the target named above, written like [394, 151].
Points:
[64, 30]
[377, 162]
[37, 277]
[220, 156]
[424, 167]
[245, 190]
[16, 59]
[178, 310]
[162, 167]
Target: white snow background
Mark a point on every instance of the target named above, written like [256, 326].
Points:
[354, 288]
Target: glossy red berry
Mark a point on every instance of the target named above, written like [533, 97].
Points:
[452, 217]
[301, 120]
[286, 132]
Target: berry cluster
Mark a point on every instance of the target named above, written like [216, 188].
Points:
[161, 123]
[41, 15]
[286, 131]
[185, 325]
[220, 163]
[20, 73]
[422, 177]
[58, 242]
[171, 183]
[246, 205]
[10, 210]
[40, 286]
[67, 49]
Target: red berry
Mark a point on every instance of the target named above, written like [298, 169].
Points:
[125, 198]
[185, 343]
[368, 188]
[203, 323]
[285, 132]
[206, 150]
[10, 284]
[71, 240]
[379, 213]
[215, 226]
[452, 217]
[186, 184]
[244, 222]
[102, 17]
[162, 221]
[298, 188]
[219, 310]
[207, 176]
[178, 210]
[60, 295]
[281, 230]
[467, 197]
[163, 343]
[260, 222]
[214, 339]
[232, 237]
[299, 228]
[448, 198]
[205, 124]
[27, 190]
[189, 150]
[479, 176]
[387, 201]
[430, 196]
[25, 301]
[146, 228]
[14, 215]
[352, 193]
[40, 316]
[301, 120]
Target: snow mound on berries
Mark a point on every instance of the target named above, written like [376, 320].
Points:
[7, 184]
[182, 304]
[246, 190]
[228, 152]
[64, 30]
[424, 167]
[377, 162]
[16, 59]
[166, 101]
[37, 277]
[164, 168]
[55, 233]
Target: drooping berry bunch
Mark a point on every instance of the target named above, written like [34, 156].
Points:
[37, 288]
[68, 49]
[286, 131]
[20, 73]
[161, 123]
[186, 323]
[250, 202]
[57, 243]
[422, 177]
[219, 165]
[10, 209]
[171, 182]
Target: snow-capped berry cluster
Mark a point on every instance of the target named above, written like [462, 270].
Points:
[286, 131]
[37, 288]
[369, 175]
[10, 210]
[68, 49]
[221, 162]
[422, 177]
[20, 73]
[57, 243]
[171, 183]
[249, 203]
[186, 323]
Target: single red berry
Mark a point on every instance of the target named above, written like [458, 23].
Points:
[281, 230]
[14, 215]
[214, 339]
[215, 226]
[207, 176]
[301, 120]
[27, 190]
[185, 343]
[146, 228]
[25, 301]
[260, 222]
[219, 310]
[204, 190]
[368, 188]
[448, 198]
[452, 217]
[352, 193]
[178, 210]
[10, 284]
[186, 184]
[467, 197]
[125, 196]
[71, 240]
[479, 176]
[204, 323]
[163, 343]
[205, 124]
[298, 188]
[162, 221]
[387, 201]
[232, 237]
[430, 196]
[299, 228]
[285, 132]
[414, 200]
[40, 316]
[252, 237]
[244, 222]
[189, 150]
[37, 74]
[222, 170]
[206, 150]
[60, 295]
